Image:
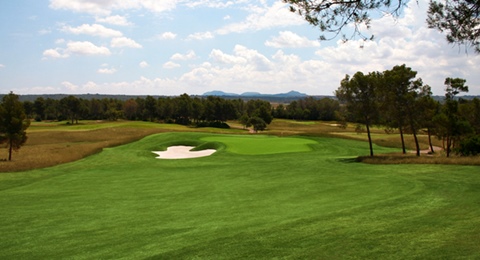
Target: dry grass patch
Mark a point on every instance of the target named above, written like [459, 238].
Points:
[49, 148]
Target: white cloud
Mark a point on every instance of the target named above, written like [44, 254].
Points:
[211, 3]
[2, 66]
[59, 41]
[93, 30]
[44, 31]
[143, 64]
[69, 86]
[105, 7]
[106, 70]
[170, 65]
[264, 17]
[55, 53]
[167, 36]
[114, 20]
[221, 57]
[86, 48]
[201, 36]
[188, 56]
[124, 42]
[411, 43]
[287, 39]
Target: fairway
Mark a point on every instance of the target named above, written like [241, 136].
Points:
[256, 197]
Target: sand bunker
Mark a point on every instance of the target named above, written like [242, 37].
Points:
[182, 152]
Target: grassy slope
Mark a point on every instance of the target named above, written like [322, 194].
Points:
[319, 204]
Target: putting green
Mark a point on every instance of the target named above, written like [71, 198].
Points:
[256, 145]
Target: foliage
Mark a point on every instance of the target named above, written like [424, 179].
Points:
[470, 146]
[13, 123]
[401, 93]
[459, 19]
[359, 93]
[449, 122]
[258, 123]
[333, 16]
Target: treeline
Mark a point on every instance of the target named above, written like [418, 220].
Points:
[184, 109]
[397, 99]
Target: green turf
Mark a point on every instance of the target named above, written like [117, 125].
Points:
[262, 144]
[311, 204]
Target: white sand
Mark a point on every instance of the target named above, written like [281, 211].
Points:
[182, 152]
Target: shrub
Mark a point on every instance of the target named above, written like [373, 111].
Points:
[470, 146]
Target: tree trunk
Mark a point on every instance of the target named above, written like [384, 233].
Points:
[416, 143]
[10, 150]
[412, 126]
[369, 137]
[430, 140]
[449, 143]
[403, 141]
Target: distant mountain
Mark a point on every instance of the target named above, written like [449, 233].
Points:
[219, 93]
[291, 94]
[251, 94]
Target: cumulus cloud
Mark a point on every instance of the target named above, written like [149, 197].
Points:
[143, 64]
[201, 36]
[170, 65]
[167, 36]
[287, 39]
[105, 7]
[114, 20]
[86, 48]
[188, 56]
[78, 48]
[212, 3]
[93, 30]
[106, 70]
[124, 42]
[264, 17]
[57, 53]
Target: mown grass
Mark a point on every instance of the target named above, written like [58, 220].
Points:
[315, 204]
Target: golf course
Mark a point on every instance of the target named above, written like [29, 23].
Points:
[256, 197]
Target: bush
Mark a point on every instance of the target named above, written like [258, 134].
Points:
[216, 124]
[470, 146]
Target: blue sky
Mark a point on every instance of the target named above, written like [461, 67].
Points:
[170, 47]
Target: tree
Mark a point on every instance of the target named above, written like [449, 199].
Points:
[72, 108]
[150, 108]
[458, 18]
[257, 123]
[359, 94]
[400, 94]
[453, 125]
[130, 109]
[13, 123]
[39, 108]
[332, 16]
[428, 108]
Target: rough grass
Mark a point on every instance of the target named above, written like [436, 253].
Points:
[122, 203]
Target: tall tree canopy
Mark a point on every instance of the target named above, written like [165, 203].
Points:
[13, 123]
[359, 93]
[459, 19]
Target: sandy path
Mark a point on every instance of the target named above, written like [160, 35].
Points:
[182, 152]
